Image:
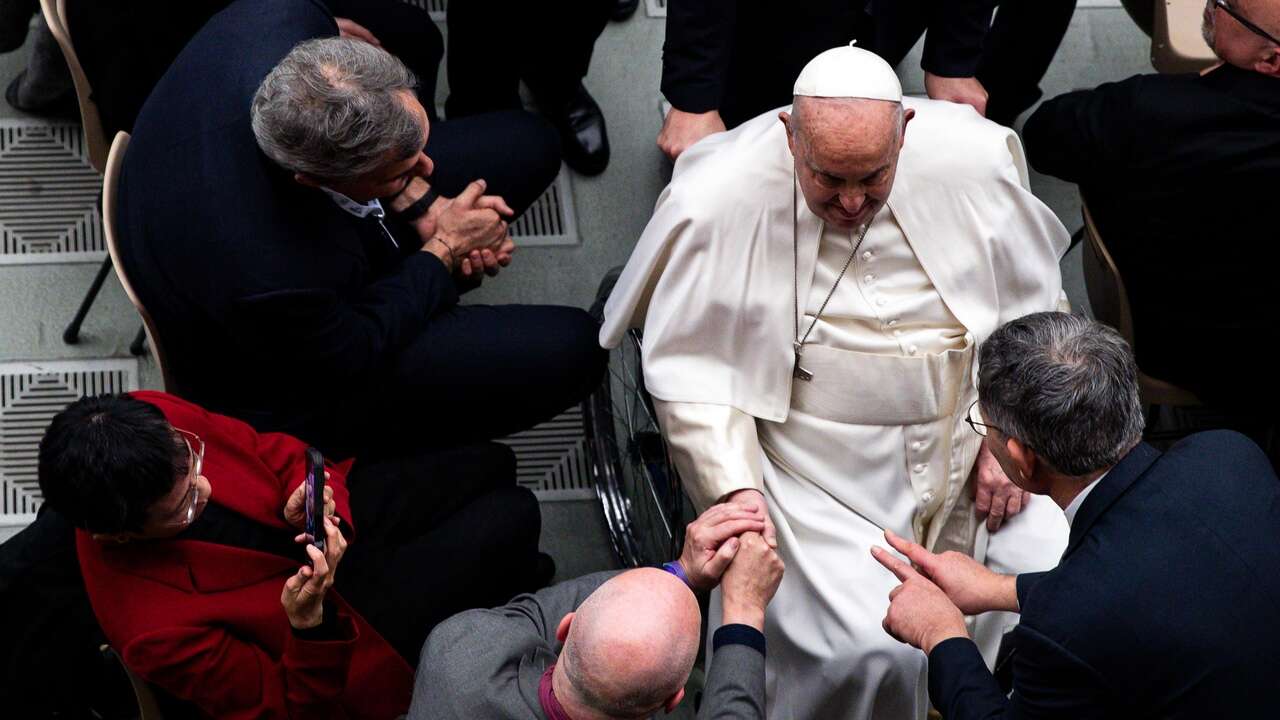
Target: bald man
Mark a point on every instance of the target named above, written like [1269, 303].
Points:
[812, 287]
[613, 645]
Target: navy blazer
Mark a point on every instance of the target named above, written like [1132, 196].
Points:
[275, 306]
[1165, 604]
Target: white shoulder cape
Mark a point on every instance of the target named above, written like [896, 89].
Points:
[711, 279]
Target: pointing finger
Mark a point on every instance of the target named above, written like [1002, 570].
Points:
[902, 570]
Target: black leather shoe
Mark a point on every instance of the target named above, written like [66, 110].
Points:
[624, 9]
[582, 134]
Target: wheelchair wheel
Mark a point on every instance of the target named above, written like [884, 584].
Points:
[644, 506]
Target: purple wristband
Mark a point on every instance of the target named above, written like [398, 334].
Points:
[675, 568]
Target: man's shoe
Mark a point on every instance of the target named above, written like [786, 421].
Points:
[624, 9]
[580, 124]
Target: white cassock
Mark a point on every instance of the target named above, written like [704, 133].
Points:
[877, 438]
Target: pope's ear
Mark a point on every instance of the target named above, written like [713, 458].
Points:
[786, 119]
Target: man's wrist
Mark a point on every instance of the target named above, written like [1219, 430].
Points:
[943, 634]
[677, 568]
[743, 614]
[1004, 594]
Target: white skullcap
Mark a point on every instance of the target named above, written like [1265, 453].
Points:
[849, 72]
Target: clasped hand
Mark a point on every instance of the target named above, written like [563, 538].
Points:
[471, 230]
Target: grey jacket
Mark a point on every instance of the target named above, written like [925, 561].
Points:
[486, 664]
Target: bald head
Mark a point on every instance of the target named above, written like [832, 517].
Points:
[846, 155]
[632, 644]
[1235, 43]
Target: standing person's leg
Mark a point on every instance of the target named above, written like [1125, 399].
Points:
[1024, 37]
[406, 31]
[438, 533]
[481, 372]
[516, 152]
[484, 56]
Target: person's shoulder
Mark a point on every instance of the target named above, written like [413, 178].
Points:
[477, 637]
[951, 143]
[723, 174]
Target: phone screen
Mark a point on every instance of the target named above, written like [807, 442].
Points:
[315, 497]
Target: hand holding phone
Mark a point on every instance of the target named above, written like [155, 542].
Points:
[314, 500]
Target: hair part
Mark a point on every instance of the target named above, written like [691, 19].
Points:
[106, 460]
[1066, 387]
[334, 109]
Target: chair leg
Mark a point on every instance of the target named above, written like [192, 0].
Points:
[71, 335]
[139, 344]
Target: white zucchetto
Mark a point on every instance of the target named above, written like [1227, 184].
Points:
[849, 72]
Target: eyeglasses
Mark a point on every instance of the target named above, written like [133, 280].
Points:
[195, 446]
[975, 420]
[1247, 25]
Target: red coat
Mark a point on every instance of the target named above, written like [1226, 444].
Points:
[204, 621]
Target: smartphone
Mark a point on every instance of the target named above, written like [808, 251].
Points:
[315, 497]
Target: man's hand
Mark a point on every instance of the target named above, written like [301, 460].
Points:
[303, 593]
[352, 29]
[681, 129]
[750, 582]
[995, 497]
[459, 231]
[711, 541]
[963, 90]
[750, 497]
[968, 584]
[295, 508]
[919, 614]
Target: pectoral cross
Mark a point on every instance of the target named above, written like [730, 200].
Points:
[798, 372]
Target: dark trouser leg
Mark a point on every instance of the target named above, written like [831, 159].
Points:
[516, 153]
[480, 372]
[1023, 39]
[406, 31]
[437, 533]
[485, 48]
[552, 70]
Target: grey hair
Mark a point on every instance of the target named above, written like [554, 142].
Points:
[1066, 387]
[332, 109]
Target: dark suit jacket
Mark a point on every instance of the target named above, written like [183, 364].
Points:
[488, 663]
[741, 57]
[273, 303]
[1180, 173]
[1166, 602]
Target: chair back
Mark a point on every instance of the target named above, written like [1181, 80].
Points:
[1110, 304]
[55, 14]
[110, 188]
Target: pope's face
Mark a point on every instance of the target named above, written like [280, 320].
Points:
[846, 156]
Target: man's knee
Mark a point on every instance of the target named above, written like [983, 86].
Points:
[579, 355]
[539, 150]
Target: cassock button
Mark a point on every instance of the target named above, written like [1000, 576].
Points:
[920, 468]
[913, 349]
[926, 497]
[917, 445]
[893, 322]
[866, 255]
[868, 278]
[880, 302]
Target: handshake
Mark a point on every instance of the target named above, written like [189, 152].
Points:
[725, 547]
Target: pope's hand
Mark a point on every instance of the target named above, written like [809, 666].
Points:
[754, 498]
[963, 90]
[968, 583]
[750, 582]
[711, 541]
[681, 129]
[995, 497]
[920, 614]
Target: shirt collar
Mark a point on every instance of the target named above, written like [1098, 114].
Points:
[360, 210]
[1074, 506]
[551, 707]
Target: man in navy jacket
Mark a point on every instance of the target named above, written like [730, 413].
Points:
[1166, 602]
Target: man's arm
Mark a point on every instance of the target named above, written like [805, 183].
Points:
[953, 42]
[1081, 135]
[695, 55]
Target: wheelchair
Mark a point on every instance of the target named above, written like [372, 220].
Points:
[644, 507]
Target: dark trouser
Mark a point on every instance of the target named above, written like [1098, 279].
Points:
[406, 31]
[480, 372]
[437, 533]
[494, 44]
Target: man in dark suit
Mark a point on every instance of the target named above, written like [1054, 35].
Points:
[285, 293]
[1165, 601]
[613, 646]
[727, 61]
[1179, 172]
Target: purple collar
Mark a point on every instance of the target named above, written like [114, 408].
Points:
[547, 697]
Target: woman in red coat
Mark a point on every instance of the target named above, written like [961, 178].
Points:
[192, 553]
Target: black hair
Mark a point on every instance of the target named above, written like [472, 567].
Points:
[105, 460]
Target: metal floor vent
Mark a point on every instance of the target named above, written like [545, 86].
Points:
[551, 219]
[436, 8]
[551, 459]
[30, 395]
[656, 8]
[48, 195]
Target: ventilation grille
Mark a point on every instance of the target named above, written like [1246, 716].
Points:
[550, 220]
[30, 395]
[48, 195]
[436, 8]
[656, 8]
[551, 459]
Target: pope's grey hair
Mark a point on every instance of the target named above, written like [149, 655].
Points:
[334, 109]
[1066, 387]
